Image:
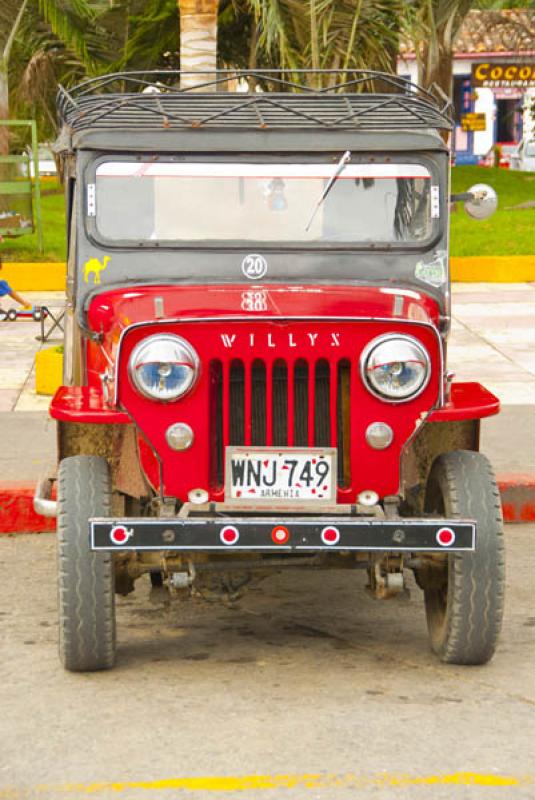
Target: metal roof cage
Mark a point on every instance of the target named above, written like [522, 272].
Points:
[364, 100]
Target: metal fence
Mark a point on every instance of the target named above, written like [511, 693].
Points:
[20, 196]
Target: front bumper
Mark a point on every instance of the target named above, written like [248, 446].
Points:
[287, 534]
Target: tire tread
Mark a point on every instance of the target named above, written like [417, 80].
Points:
[475, 598]
[85, 578]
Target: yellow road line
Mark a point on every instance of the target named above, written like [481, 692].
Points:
[307, 781]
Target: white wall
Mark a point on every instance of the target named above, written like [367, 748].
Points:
[485, 104]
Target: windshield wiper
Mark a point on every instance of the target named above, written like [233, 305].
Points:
[346, 158]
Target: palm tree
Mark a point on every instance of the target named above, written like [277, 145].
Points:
[5, 54]
[431, 26]
[35, 37]
[198, 40]
[328, 34]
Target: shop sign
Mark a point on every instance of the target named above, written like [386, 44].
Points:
[473, 122]
[494, 76]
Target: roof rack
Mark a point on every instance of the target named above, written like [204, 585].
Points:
[357, 99]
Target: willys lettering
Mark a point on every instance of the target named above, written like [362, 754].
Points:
[274, 340]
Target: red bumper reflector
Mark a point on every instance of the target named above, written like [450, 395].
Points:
[330, 535]
[120, 535]
[445, 537]
[229, 535]
[280, 534]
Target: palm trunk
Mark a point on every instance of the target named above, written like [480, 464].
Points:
[436, 67]
[198, 41]
[4, 108]
[4, 85]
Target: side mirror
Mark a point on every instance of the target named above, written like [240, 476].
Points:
[480, 201]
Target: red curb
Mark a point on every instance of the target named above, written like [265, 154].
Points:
[518, 497]
[17, 515]
[16, 510]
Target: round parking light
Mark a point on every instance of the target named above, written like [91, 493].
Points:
[179, 436]
[379, 435]
[330, 535]
[445, 537]
[280, 534]
[229, 535]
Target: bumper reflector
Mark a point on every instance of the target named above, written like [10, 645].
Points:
[119, 534]
[330, 535]
[445, 537]
[280, 534]
[229, 535]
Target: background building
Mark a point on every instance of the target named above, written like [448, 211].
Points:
[493, 81]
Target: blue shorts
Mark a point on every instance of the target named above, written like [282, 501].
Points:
[5, 288]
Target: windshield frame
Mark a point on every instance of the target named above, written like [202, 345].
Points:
[438, 227]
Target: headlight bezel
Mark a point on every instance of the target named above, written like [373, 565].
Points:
[392, 337]
[191, 359]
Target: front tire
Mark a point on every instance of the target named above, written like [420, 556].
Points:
[464, 600]
[85, 577]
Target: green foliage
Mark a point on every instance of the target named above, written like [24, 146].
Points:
[24, 248]
[328, 34]
[57, 41]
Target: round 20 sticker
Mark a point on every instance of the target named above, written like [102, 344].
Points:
[254, 266]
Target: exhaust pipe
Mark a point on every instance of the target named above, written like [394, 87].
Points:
[42, 504]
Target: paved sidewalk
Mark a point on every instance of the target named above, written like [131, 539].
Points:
[492, 341]
[18, 346]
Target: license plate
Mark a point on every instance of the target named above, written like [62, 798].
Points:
[286, 474]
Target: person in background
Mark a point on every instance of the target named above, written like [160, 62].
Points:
[6, 290]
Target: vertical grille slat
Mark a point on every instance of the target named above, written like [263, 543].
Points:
[334, 395]
[290, 439]
[237, 403]
[248, 404]
[280, 404]
[301, 404]
[259, 397]
[269, 405]
[322, 405]
[343, 415]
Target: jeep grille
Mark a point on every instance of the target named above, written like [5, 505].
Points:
[298, 404]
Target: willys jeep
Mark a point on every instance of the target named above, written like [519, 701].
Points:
[255, 352]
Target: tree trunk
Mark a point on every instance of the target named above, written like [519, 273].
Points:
[436, 67]
[4, 108]
[198, 41]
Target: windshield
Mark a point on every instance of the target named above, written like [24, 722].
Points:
[158, 201]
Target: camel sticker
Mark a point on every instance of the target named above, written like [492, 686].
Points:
[94, 266]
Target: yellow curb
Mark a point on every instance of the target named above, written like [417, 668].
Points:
[493, 269]
[50, 277]
[34, 277]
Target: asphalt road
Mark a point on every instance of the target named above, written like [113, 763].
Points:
[307, 688]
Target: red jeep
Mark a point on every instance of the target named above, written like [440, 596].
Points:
[255, 353]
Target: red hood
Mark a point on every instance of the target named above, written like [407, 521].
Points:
[111, 312]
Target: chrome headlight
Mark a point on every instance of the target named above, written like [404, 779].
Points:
[163, 367]
[395, 367]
